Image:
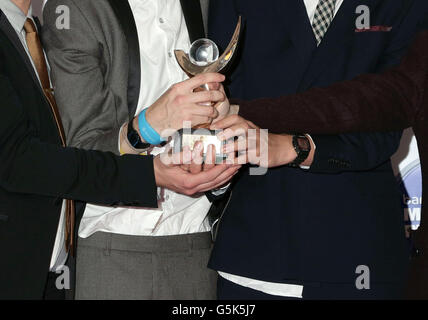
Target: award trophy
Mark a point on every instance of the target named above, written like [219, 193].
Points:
[203, 57]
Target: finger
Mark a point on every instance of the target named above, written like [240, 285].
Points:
[221, 180]
[222, 107]
[210, 158]
[222, 183]
[198, 110]
[197, 158]
[221, 104]
[202, 79]
[241, 144]
[185, 167]
[215, 86]
[228, 122]
[218, 183]
[221, 88]
[232, 132]
[230, 158]
[216, 186]
[207, 176]
[242, 159]
[182, 158]
[238, 158]
[206, 96]
[196, 121]
[252, 125]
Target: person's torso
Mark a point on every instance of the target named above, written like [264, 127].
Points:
[161, 28]
[283, 223]
[32, 219]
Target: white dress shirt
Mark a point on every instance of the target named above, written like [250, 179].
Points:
[17, 19]
[278, 289]
[161, 29]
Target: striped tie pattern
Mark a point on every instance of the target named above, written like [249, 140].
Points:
[324, 15]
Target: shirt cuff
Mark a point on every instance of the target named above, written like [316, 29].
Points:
[220, 191]
[118, 141]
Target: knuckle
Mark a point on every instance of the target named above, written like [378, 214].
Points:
[206, 95]
[209, 95]
[175, 88]
[234, 118]
[189, 193]
[188, 184]
[204, 78]
[212, 111]
[180, 99]
[215, 95]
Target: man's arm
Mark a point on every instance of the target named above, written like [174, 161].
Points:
[375, 102]
[95, 112]
[87, 105]
[29, 165]
[366, 151]
[357, 151]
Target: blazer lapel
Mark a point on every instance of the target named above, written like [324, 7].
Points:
[293, 22]
[193, 15]
[10, 32]
[339, 34]
[126, 18]
[296, 21]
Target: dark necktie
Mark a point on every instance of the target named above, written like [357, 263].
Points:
[38, 57]
[324, 15]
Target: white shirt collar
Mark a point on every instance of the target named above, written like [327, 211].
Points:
[14, 14]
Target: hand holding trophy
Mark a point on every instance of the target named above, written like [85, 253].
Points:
[203, 57]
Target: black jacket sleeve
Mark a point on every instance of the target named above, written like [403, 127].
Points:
[29, 165]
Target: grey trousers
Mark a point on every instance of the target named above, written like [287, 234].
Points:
[112, 266]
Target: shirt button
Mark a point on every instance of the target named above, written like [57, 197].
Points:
[170, 54]
[161, 20]
[167, 197]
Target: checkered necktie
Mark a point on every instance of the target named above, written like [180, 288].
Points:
[324, 15]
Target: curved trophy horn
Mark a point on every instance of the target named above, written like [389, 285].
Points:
[193, 69]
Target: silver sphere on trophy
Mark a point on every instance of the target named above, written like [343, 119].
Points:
[202, 53]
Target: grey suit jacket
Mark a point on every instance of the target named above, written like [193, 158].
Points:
[95, 66]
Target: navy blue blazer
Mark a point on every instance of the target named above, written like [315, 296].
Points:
[315, 226]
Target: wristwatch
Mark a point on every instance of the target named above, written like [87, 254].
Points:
[134, 138]
[302, 145]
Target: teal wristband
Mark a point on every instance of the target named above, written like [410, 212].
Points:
[147, 132]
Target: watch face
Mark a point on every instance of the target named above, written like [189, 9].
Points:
[304, 143]
[135, 141]
[134, 138]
